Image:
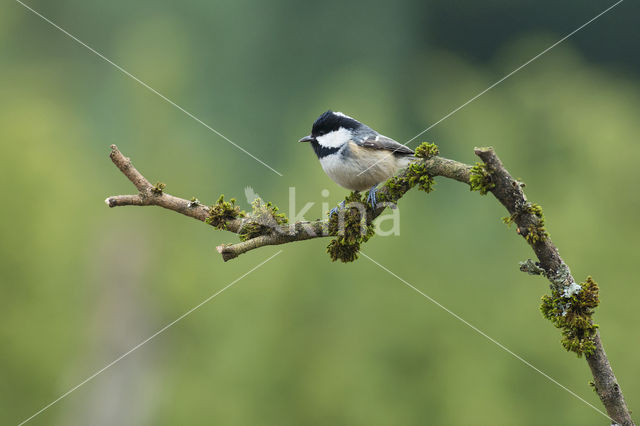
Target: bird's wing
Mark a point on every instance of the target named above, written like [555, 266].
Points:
[385, 143]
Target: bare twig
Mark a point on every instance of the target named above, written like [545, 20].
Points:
[493, 178]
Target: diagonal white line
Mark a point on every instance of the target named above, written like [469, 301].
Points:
[491, 339]
[516, 70]
[501, 80]
[147, 340]
[128, 74]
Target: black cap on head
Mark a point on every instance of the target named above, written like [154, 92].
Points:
[330, 121]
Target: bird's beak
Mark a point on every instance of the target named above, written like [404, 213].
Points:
[307, 139]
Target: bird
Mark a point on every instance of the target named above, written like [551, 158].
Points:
[354, 155]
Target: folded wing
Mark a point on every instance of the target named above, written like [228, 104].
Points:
[384, 143]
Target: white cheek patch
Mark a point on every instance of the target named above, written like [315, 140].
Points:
[335, 139]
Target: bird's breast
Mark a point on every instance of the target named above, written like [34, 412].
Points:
[358, 168]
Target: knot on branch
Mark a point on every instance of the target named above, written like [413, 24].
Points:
[571, 310]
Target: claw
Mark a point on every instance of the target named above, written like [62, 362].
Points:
[371, 198]
[336, 209]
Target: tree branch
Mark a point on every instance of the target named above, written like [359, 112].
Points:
[509, 192]
[281, 234]
[489, 176]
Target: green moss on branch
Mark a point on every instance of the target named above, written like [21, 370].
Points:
[480, 179]
[158, 188]
[222, 212]
[426, 150]
[416, 174]
[536, 232]
[572, 313]
[351, 226]
[263, 219]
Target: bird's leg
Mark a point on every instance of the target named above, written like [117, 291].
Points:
[371, 198]
[335, 209]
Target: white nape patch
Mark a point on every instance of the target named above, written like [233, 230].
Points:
[571, 290]
[335, 139]
[342, 114]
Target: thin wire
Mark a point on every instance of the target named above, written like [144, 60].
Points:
[501, 80]
[491, 339]
[91, 377]
[127, 73]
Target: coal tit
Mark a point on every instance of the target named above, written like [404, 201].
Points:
[354, 155]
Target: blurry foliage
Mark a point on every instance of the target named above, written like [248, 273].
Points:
[302, 340]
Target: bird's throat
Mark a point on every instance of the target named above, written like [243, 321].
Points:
[323, 151]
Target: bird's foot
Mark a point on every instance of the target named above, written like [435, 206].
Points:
[371, 198]
[336, 209]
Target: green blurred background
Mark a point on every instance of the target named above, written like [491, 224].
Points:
[302, 340]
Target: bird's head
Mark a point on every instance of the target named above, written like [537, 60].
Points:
[332, 130]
